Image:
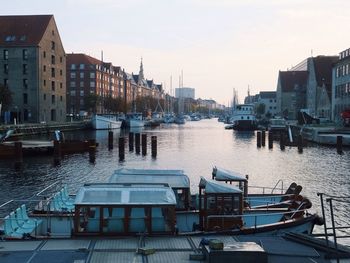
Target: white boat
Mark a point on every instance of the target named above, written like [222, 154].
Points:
[243, 118]
[134, 120]
[105, 121]
[277, 125]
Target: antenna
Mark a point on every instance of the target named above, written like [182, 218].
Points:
[311, 53]
[102, 55]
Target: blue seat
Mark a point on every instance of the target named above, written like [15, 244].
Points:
[27, 220]
[58, 205]
[17, 228]
[66, 202]
[66, 196]
[21, 221]
[9, 231]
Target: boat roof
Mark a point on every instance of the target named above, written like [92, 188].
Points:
[174, 178]
[118, 194]
[226, 175]
[215, 187]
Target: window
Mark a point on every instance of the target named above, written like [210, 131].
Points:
[72, 92]
[81, 66]
[53, 59]
[53, 99]
[81, 75]
[53, 45]
[92, 75]
[6, 68]
[81, 84]
[25, 98]
[44, 96]
[82, 93]
[61, 98]
[25, 54]
[61, 85]
[61, 59]
[81, 102]
[53, 32]
[6, 82]
[44, 82]
[72, 84]
[25, 68]
[92, 84]
[44, 54]
[25, 83]
[6, 54]
[44, 68]
[53, 72]
[52, 85]
[72, 75]
[72, 66]
[61, 72]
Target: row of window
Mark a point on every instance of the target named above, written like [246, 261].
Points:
[53, 98]
[97, 67]
[25, 70]
[82, 75]
[342, 70]
[73, 93]
[342, 91]
[25, 56]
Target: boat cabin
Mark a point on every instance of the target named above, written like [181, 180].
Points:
[124, 209]
[176, 179]
[231, 177]
[220, 206]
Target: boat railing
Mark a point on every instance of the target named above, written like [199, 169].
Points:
[264, 199]
[266, 189]
[279, 216]
[280, 181]
[338, 230]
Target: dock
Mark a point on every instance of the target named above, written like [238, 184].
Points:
[162, 249]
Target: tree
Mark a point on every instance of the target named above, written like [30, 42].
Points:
[5, 97]
[91, 101]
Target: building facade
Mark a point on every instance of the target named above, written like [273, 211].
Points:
[33, 64]
[291, 93]
[341, 85]
[319, 85]
[269, 100]
[185, 93]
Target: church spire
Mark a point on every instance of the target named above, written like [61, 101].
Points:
[141, 76]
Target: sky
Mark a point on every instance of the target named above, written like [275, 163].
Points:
[219, 45]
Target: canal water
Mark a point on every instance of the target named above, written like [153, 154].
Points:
[195, 147]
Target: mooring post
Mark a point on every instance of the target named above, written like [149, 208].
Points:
[121, 146]
[339, 144]
[154, 146]
[282, 145]
[263, 138]
[144, 144]
[300, 143]
[258, 139]
[270, 138]
[110, 140]
[18, 155]
[92, 151]
[57, 152]
[137, 143]
[131, 141]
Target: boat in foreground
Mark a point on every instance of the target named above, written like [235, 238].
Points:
[155, 202]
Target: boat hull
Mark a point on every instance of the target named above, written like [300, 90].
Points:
[245, 125]
[104, 123]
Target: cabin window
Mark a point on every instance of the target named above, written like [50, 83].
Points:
[6, 54]
[25, 54]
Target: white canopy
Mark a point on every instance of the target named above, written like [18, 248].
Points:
[174, 178]
[109, 194]
[226, 175]
[213, 187]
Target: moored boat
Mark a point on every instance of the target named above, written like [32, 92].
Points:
[105, 121]
[158, 205]
[243, 118]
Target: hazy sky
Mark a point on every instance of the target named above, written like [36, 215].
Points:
[219, 44]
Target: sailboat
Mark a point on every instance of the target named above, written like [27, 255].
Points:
[180, 119]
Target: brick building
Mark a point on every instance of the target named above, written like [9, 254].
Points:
[33, 67]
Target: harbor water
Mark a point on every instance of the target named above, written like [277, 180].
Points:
[195, 147]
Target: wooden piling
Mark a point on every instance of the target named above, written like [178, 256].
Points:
[154, 146]
[282, 143]
[92, 153]
[339, 144]
[110, 140]
[300, 143]
[57, 152]
[137, 143]
[258, 139]
[131, 141]
[263, 138]
[144, 144]
[270, 138]
[18, 155]
[121, 146]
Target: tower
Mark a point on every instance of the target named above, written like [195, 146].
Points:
[141, 76]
